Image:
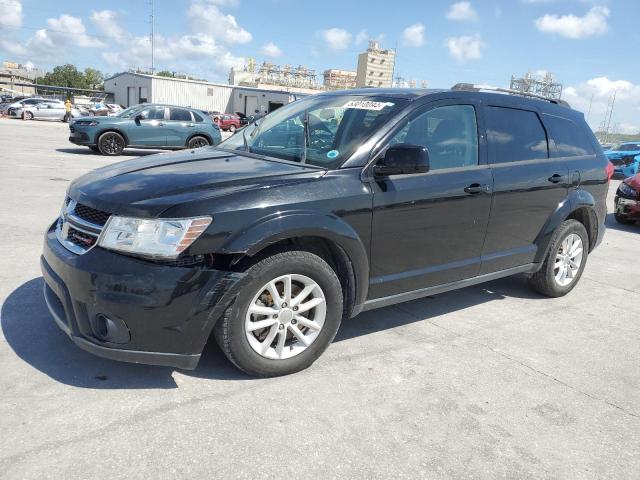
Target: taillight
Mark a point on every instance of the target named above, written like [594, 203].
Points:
[609, 169]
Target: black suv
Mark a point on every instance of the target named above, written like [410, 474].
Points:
[335, 204]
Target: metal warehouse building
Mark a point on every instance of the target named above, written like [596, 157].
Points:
[133, 88]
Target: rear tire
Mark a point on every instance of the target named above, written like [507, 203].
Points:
[565, 260]
[232, 128]
[198, 142]
[304, 330]
[111, 144]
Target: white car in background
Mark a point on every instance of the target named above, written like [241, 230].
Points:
[48, 110]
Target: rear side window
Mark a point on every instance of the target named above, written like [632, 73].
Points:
[569, 139]
[450, 134]
[180, 115]
[197, 117]
[515, 135]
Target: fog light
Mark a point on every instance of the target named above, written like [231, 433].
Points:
[110, 329]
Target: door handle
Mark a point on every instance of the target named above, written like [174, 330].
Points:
[556, 178]
[476, 188]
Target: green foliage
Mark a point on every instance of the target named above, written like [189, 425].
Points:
[69, 76]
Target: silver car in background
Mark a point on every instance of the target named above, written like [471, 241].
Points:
[47, 110]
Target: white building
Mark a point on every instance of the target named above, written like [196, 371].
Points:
[375, 67]
[133, 88]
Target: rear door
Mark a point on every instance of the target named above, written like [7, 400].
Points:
[428, 229]
[179, 127]
[528, 185]
[150, 130]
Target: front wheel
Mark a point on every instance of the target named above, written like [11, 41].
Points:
[287, 313]
[111, 144]
[232, 128]
[565, 260]
[27, 116]
[198, 142]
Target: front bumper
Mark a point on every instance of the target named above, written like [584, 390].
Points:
[79, 138]
[627, 208]
[157, 314]
[626, 170]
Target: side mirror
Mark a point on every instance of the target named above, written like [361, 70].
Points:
[137, 118]
[403, 159]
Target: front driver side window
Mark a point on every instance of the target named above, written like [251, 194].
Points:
[450, 134]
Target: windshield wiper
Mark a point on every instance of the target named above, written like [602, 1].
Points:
[305, 141]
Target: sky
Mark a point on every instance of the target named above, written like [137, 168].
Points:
[591, 46]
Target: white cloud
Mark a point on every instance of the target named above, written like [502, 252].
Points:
[594, 22]
[108, 23]
[270, 50]
[362, 37]
[69, 29]
[465, 47]
[208, 19]
[413, 35]
[336, 38]
[627, 128]
[462, 11]
[10, 14]
[596, 93]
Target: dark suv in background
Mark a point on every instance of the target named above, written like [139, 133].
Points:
[332, 205]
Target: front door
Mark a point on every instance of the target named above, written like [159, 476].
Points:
[528, 186]
[428, 229]
[149, 131]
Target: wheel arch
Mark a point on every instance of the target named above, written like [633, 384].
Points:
[578, 205]
[205, 135]
[326, 235]
[114, 130]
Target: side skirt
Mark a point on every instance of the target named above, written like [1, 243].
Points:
[424, 292]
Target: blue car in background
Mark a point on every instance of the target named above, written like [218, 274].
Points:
[625, 158]
[146, 126]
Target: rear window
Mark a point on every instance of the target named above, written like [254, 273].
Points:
[514, 135]
[569, 139]
[180, 115]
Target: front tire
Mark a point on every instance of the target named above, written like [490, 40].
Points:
[27, 116]
[232, 128]
[565, 261]
[111, 144]
[287, 313]
[198, 142]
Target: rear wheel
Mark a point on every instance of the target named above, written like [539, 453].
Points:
[198, 142]
[286, 314]
[111, 144]
[565, 260]
[232, 128]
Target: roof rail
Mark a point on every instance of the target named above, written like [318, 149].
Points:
[470, 87]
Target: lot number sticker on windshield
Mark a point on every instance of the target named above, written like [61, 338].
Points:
[367, 105]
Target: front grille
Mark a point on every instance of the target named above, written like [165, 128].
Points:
[97, 217]
[617, 161]
[79, 226]
[81, 239]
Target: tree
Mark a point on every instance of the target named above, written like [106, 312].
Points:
[94, 79]
[164, 73]
[69, 76]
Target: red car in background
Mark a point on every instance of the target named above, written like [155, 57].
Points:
[227, 122]
[627, 201]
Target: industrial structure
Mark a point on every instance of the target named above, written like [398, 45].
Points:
[132, 88]
[271, 76]
[17, 78]
[544, 86]
[339, 79]
[375, 67]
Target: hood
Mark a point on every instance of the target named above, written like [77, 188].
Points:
[147, 186]
[620, 154]
[634, 182]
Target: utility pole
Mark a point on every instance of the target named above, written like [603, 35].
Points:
[152, 38]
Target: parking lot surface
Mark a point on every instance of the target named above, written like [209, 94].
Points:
[492, 381]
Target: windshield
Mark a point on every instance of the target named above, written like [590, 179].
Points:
[626, 147]
[130, 112]
[319, 130]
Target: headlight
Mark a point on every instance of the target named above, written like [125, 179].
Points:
[161, 238]
[626, 189]
[86, 123]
